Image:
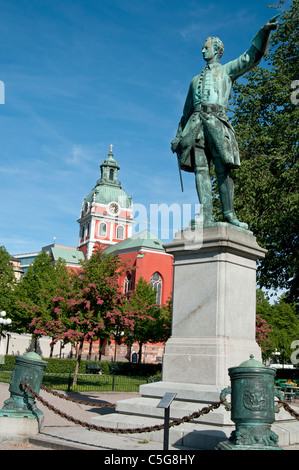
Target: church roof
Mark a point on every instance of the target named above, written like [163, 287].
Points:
[138, 241]
[108, 188]
[72, 256]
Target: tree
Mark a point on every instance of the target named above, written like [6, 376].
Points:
[266, 186]
[145, 321]
[263, 329]
[83, 314]
[7, 282]
[33, 295]
[277, 327]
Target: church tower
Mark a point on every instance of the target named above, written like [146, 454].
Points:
[107, 211]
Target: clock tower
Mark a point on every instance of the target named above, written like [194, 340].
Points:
[107, 211]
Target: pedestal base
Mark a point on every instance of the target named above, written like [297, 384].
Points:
[214, 305]
[205, 361]
[228, 445]
[13, 426]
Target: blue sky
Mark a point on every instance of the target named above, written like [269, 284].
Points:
[81, 75]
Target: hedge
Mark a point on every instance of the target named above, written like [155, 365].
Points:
[66, 366]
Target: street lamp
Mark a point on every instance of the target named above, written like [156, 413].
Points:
[3, 321]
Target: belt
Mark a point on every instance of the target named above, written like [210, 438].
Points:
[210, 108]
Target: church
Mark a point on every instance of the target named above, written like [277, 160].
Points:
[107, 219]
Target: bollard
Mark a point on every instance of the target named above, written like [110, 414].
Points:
[252, 407]
[28, 369]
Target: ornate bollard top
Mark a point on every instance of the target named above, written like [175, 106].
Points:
[33, 356]
[251, 362]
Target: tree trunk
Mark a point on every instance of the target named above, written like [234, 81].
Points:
[90, 350]
[78, 363]
[140, 352]
[51, 348]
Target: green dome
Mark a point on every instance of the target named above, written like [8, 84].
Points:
[108, 188]
[104, 193]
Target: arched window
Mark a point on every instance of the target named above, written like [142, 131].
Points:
[128, 285]
[156, 284]
[111, 174]
[82, 231]
[120, 232]
[103, 229]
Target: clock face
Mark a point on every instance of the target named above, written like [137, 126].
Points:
[113, 208]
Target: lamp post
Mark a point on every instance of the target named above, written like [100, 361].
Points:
[3, 321]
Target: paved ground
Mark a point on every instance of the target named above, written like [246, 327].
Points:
[60, 434]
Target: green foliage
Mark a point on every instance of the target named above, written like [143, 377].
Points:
[33, 295]
[283, 329]
[146, 321]
[67, 366]
[9, 363]
[266, 186]
[7, 282]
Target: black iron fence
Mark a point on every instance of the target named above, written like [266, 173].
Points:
[93, 382]
[86, 382]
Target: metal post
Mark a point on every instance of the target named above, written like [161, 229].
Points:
[166, 429]
[165, 403]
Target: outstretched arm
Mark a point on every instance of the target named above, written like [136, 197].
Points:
[254, 54]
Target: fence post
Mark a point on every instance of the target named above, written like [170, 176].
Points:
[69, 382]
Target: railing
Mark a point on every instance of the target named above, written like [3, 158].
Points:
[87, 382]
[94, 382]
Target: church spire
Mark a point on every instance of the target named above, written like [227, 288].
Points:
[109, 169]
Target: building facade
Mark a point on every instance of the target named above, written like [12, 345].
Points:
[107, 211]
[107, 219]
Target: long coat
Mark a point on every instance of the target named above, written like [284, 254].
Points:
[213, 86]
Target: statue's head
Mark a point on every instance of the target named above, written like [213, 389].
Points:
[212, 49]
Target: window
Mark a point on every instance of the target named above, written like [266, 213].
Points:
[128, 285]
[82, 231]
[120, 232]
[156, 284]
[111, 175]
[103, 229]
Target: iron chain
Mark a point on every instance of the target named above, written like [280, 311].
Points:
[157, 427]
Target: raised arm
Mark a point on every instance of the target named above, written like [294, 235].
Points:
[252, 57]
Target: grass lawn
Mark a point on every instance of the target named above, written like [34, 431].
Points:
[87, 382]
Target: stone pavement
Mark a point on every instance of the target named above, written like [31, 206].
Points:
[60, 434]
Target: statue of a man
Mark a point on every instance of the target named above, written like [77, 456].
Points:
[205, 133]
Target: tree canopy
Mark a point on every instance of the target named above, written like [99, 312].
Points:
[277, 327]
[7, 282]
[266, 186]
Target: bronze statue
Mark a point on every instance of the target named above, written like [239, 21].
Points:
[205, 133]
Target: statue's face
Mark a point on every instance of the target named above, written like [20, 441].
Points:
[209, 50]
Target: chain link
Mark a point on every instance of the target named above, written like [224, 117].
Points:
[290, 410]
[76, 400]
[157, 427]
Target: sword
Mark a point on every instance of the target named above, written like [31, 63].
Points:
[174, 145]
[180, 173]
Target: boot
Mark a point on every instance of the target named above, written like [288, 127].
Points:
[226, 191]
[204, 192]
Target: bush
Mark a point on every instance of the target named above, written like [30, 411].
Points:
[9, 363]
[66, 366]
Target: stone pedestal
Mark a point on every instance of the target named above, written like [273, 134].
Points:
[214, 304]
[213, 329]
